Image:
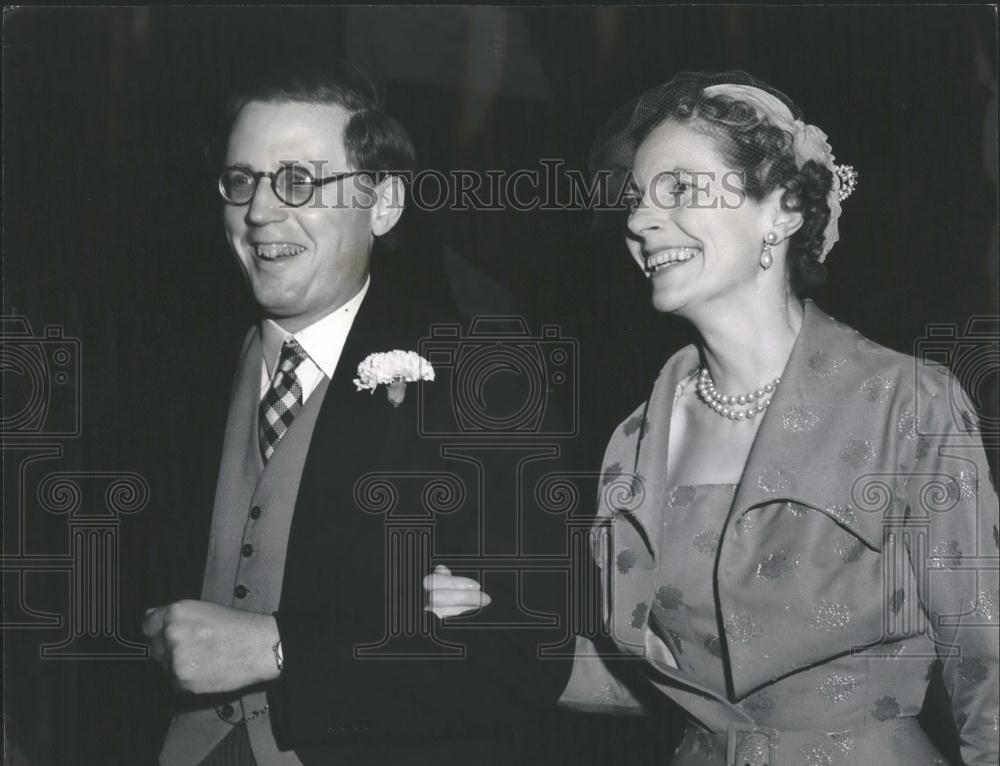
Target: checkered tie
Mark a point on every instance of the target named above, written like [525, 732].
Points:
[283, 399]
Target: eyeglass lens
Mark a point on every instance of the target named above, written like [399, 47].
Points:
[292, 184]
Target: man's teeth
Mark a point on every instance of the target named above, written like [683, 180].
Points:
[278, 250]
[670, 257]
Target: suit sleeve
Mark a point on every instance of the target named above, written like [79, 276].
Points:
[952, 487]
[328, 693]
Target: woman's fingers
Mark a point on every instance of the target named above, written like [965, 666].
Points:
[448, 611]
[450, 603]
[450, 596]
[438, 581]
[463, 598]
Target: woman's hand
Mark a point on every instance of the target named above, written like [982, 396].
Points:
[450, 595]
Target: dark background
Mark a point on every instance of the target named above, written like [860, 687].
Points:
[112, 231]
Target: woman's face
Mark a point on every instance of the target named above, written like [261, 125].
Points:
[692, 230]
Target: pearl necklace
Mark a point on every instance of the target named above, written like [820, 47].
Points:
[722, 403]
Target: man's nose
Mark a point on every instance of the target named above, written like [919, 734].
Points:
[264, 206]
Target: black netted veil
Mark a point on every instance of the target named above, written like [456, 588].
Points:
[614, 147]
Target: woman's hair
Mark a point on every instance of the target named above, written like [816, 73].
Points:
[748, 142]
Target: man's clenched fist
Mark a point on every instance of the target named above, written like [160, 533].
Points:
[208, 648]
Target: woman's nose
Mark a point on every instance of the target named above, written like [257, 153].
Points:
[643, 220]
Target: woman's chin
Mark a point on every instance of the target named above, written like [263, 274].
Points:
[666, 301]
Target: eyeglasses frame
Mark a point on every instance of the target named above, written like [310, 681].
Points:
[256, 175]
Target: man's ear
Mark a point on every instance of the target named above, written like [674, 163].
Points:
[390, 198]
[783, 222]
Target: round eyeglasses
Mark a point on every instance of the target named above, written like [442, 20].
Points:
[292, 184]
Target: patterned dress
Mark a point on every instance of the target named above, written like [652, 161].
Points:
[799, 617]
[684, 618]
[682, 614]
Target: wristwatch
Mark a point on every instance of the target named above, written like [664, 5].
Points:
[279, 657]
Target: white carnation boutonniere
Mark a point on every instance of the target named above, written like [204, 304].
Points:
[394, 369]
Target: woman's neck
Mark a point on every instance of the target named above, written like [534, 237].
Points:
[747, 348]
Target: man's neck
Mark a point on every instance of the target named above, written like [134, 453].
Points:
[293, 325]
[323, 339]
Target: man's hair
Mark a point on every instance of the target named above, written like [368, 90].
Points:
[374, 141]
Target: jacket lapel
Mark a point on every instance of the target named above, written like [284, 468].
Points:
[810, 417]
[815, 459]
[346, 410]
[353, 429]
[815, 412]
[634, 495]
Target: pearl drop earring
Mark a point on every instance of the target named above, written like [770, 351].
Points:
[766, 258]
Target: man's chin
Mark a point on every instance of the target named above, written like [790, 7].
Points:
[278, 308]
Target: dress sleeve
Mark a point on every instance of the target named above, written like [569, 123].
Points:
[951, 488]
[597, 682]
[594, 688]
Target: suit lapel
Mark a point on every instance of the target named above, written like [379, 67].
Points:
[352, 430]
[357, 417]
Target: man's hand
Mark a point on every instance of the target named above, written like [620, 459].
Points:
[207, 648]
[450, 595]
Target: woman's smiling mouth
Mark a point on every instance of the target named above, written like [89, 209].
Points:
[669, 256]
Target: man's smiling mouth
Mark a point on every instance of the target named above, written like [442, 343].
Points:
[275, 251]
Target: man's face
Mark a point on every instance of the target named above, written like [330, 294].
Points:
[301, 262]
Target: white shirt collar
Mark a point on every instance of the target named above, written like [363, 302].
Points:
[323, 340]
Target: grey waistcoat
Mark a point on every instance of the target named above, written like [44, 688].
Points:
[247, 551]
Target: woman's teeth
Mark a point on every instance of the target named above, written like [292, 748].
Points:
[274, 251]
[671, 256]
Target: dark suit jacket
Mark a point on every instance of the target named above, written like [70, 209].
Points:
[342, 590]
